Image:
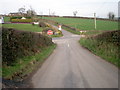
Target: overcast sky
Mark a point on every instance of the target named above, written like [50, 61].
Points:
[62, 7]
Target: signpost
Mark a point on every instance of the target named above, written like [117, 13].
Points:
[50, 32]
[59, 27]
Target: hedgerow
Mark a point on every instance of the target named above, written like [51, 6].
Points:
[18, 17]
[17, 44]
[21, 20]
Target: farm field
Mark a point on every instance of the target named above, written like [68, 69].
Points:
[24, 27]
[85, 24]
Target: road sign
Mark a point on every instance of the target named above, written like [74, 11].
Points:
[50, 32]
[59, 27]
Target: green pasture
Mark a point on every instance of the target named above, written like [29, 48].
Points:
[86, 24]
[24, 27]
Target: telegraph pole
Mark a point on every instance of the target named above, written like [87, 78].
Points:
[95, 20]
[49, 12]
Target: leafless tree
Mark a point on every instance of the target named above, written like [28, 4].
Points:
[21, 10]
[111, 15]
[75, 13]
[31, 12]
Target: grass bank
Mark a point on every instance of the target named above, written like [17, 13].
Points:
[21, 50]
[24, 66]
[105, 45]
[24, 27]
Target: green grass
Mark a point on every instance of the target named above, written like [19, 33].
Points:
[24, 27]
[86, 24]
[72, 31]
[6, 19]
[56, 35]
[106, 50]
[24, 65]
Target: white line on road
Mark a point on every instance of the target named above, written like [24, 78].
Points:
[68, 45]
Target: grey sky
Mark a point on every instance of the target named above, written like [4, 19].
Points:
[62, 7]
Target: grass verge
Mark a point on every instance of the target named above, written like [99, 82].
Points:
[107, 49]
[56, 35]
[72, 31]
[26, 65]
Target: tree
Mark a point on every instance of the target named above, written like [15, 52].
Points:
[75, 13]
[21, 10]
[31, 12]
[111, 15]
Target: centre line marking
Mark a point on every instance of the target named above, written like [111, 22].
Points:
[68, 45]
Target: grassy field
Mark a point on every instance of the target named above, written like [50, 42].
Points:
[86, 24]
[24, 27]
[26, 65]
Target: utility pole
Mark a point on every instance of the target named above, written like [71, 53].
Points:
[95, 20]
[49, 12]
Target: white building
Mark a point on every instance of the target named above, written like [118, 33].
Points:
[1, 20]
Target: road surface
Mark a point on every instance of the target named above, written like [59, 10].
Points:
[72, 66]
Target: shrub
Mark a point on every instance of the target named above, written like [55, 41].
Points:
[20, 17]
[42, 24]
[17, 44]
[59, 32]
[44, 32]
[28, 17]
[15, 18]
[21, 20]
[33, 23]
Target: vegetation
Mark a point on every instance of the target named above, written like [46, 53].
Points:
[22, 49]
[111, 15]
[86, 24]
[18, 17]
[105, 45]
[21, 20]
[24, 27]
[20, 43]
[42, 24]
[25, 65]
[6, 19]
[72, 31]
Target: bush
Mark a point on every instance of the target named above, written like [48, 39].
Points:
[106, 45]
[44, 32]
[21, 20]
[17, 44]
[42, 24]
[15, 18]
[59, 32]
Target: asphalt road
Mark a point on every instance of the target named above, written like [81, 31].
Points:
[72, 66]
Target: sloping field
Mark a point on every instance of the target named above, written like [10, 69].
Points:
[86, 24]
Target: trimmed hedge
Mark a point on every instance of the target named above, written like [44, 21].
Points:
[105, 45]
[42, 24]
[21, 20]
[17, 44]
[20, 17]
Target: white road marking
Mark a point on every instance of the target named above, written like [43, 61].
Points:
[75, 35]
[68, 45]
